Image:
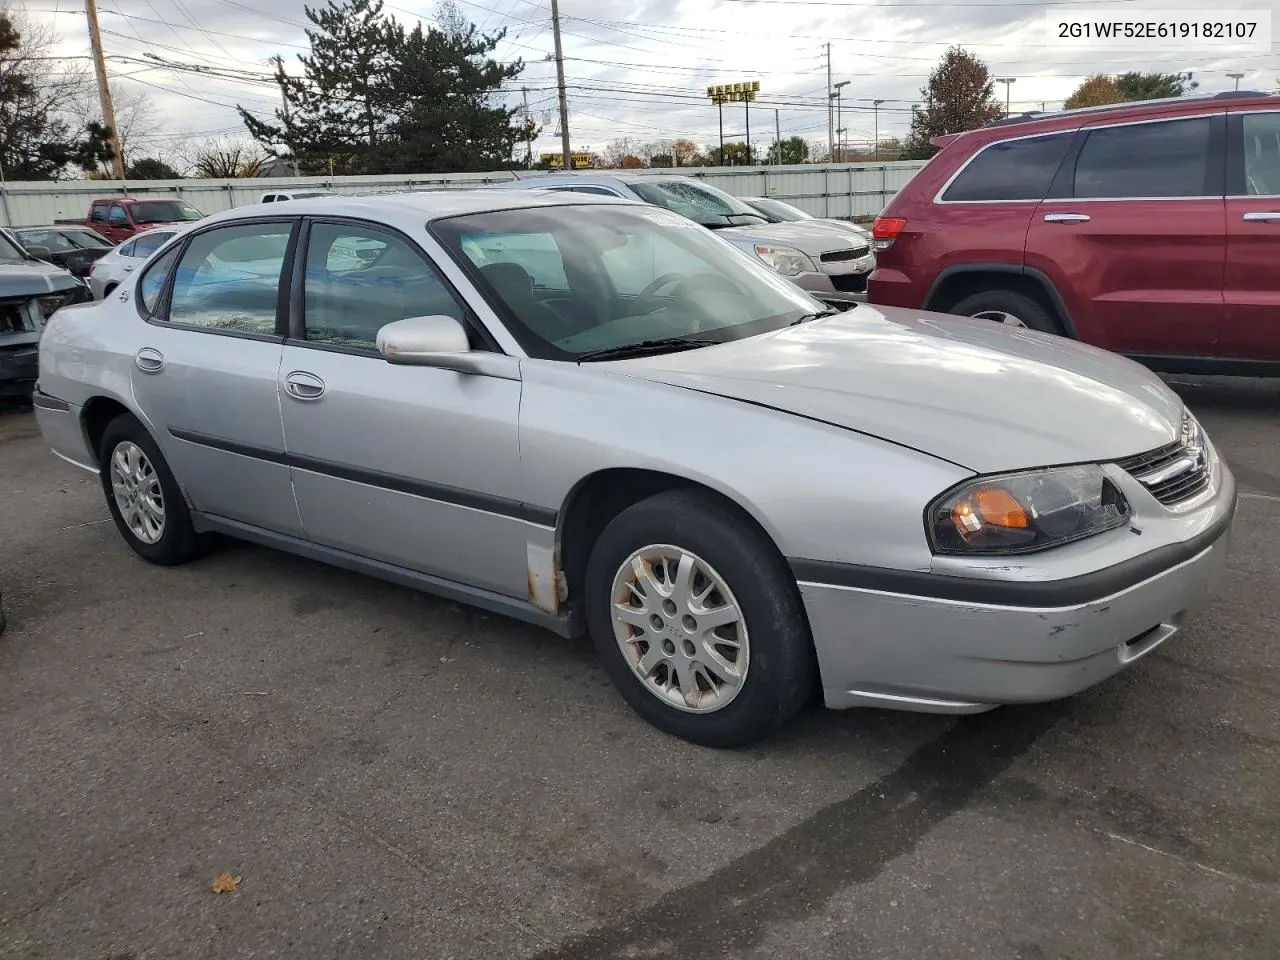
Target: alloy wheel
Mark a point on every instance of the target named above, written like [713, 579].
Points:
[136, 487]
[680, 628]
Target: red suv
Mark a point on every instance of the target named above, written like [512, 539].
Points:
[1151, 229]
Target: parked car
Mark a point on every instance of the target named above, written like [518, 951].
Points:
[279, 196]
[121, 218]
[30, 291]
[107, 273]
[1151, 229]
[809, 256]
[72, 248]
[738, 493]
[778, 211]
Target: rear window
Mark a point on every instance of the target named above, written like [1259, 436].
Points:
[1013, 170]
[1165, 159]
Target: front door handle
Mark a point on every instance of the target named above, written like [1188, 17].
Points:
[1066, 218]
[149, 360]
[303, 386]
[1262, 216]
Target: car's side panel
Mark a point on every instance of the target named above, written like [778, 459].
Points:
[414, 466]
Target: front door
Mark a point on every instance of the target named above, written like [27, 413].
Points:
[413, 466]
[206, 370]
[1139, 236]
[1252, 289]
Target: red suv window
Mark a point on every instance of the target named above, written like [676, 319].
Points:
[1015, 170]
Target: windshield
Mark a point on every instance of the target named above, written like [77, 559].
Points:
[164, 211]
[573, 280]
[63, 241]
[778, 211]
[10, 251]
[702, 204]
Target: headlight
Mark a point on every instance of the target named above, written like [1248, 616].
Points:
[50, 304]
[1025, 512]
[788, 261]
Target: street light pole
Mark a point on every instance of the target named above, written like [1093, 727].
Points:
[1008, 85]
[839, 89]
[1237, 77]
[875, 106]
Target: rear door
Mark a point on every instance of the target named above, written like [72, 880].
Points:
[1252, 287]
[1134, 235]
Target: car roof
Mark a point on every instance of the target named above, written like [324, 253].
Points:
[425, 205]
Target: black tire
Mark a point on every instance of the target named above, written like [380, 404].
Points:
[178, 542]
[781, 672]
[1033, 313]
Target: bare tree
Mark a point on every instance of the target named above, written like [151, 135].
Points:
[221, 158]
[137, 117]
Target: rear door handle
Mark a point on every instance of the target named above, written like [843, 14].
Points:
[1262, 216]
[303, 386]
[1066, 218]
[149, 360]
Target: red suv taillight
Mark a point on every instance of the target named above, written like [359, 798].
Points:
[885, 230]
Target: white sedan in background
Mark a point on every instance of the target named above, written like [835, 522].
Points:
[110, 270]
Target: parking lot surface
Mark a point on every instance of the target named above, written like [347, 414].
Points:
[393, 776]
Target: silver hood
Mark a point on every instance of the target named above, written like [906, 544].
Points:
[969, 391]
[811, 238]
[33, 278]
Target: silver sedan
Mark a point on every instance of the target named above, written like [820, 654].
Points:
[595, 416]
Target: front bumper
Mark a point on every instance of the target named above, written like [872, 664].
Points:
[879, 647]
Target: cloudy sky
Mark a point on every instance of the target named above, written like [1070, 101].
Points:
[640, 68]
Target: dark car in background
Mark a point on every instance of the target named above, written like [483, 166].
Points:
[1151, 229]
[73, 248]
[30, 291]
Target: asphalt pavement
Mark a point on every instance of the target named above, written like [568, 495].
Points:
[393, 776]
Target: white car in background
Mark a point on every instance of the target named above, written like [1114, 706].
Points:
[279, 196]
[776, 211]
[110, 270]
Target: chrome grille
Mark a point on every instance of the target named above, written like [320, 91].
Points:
[1175, 472]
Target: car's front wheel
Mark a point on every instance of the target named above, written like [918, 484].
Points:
[143, 496]
[698, 620]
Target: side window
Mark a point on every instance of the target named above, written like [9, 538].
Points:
[359, 279]
[148, 243]
[98, 213]
[269, 198]
[1262, 154]
[1166, 159]
[229, 278]
[128, 249]
[644, 258]
[117, 217]
[536, 254]
[153, 279]
[1017, 170]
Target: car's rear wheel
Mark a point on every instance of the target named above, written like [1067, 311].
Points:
[1009, 307]
[698, 620]
[143, 496]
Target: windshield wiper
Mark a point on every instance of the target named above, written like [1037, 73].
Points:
[645, 347]
[806, 317]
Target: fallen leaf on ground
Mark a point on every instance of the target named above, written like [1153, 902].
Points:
[225, 883]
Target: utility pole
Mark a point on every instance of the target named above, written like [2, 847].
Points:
[831, 136]
[875, 106]
[528, 132]
[564, 106]
[104, 91]
[284, 98]
[777, 134]
[839, 88]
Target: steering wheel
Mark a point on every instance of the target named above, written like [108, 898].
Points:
[658, 283]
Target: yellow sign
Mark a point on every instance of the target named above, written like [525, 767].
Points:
[581, 161]
[744, 92]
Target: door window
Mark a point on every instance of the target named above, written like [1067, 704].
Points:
[1017, 170]
[229, 278]
[153, 280]
[1151, 160]
[149, 243]
[98, 214]
[128, 249]
[359, 279]
[117, 217]
[1262, 154]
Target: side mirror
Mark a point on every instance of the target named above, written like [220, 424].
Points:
[441, 342]
[39, 252]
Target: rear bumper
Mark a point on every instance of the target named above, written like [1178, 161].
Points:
[925, 653]
[893, 288]
[63, 430]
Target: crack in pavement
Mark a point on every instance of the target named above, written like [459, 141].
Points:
[850, 841]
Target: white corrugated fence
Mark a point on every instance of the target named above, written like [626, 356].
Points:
[825, 190]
